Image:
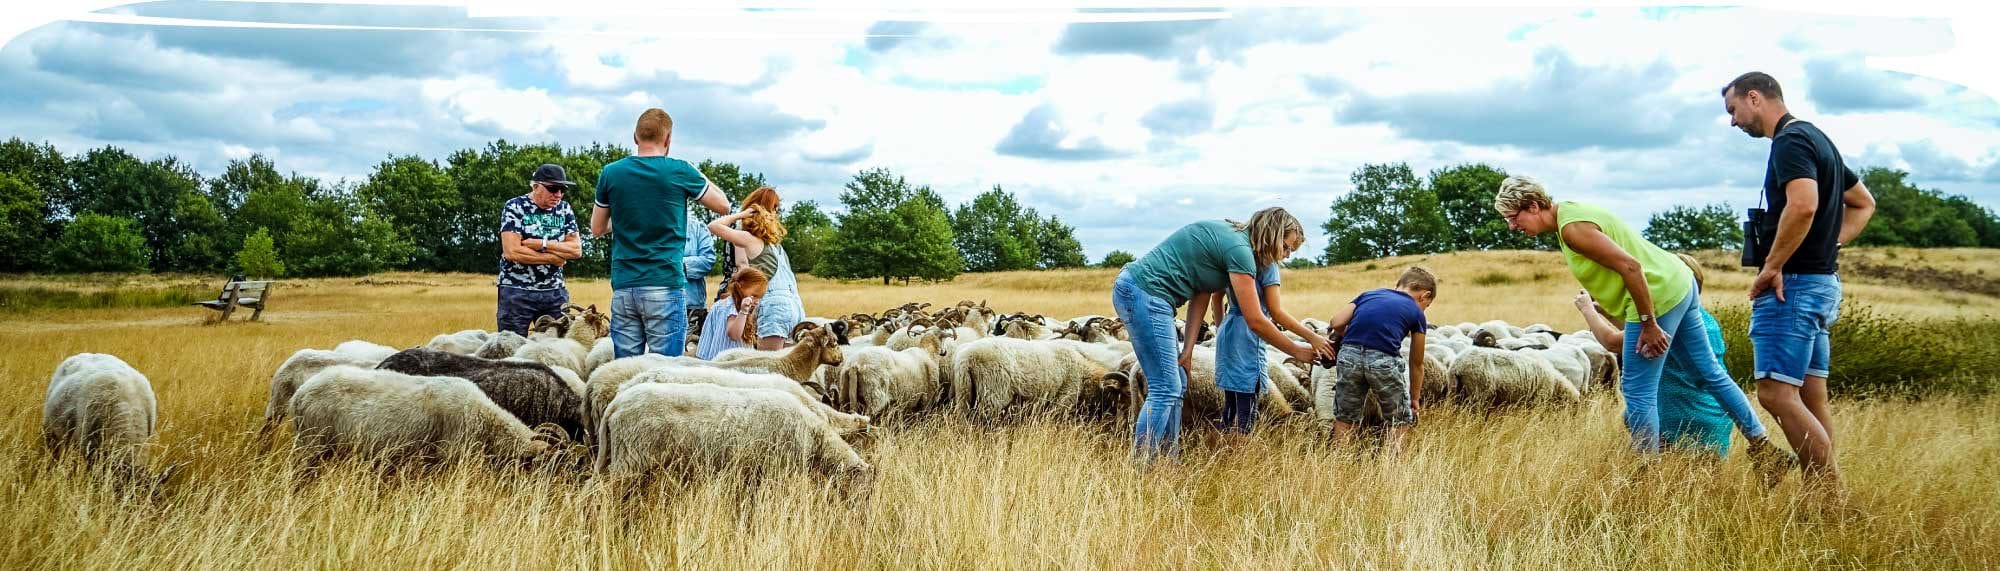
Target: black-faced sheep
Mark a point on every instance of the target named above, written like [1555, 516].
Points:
[696, 431]
[386, 415]
[102, 407]
[532, 392]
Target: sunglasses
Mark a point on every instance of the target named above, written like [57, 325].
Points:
[553, 188]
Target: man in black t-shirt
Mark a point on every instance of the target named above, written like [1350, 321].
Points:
[1816, 204]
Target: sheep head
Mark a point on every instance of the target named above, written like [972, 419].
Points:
[548, 327]
[801, 328]
[839, 329]
[588, 326]
[822, 341]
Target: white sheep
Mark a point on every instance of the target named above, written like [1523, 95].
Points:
[364, 350]
[1604, 369]
[464, 342]
[382, 415]
[798, 362]
[101, 406]
[558, 352]
[602, 386]
[1496, 377]
[1570, 360]
[302, 365]
[1445, 331]
[601, 352]
[694, 431]
[880, 382]
[999, 376]
[500, 345]
[845, 423]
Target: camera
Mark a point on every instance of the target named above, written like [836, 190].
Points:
[1754, 247]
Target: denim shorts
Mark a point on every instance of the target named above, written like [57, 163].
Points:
[778, 314]
[1790, 336]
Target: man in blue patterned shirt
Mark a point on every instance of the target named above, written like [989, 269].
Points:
[538, 234]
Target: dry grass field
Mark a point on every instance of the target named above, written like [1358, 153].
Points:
[1526, 489]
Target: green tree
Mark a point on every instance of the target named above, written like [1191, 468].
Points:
[1984, 223]
[995, 233]
[1465, 198]
[201, 245]
[1300, 264]
[1116, 259]
[1685, 228]
[111, 182]
[239, 178]
[1909, 216]
[1058, 244]
[100, 243]
[23, 212]
[808, 233]
[418, 199]
[259, 256]
[335, 236]
[890, 230]
[1390, 213]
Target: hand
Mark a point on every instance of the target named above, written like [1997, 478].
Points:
[1770, 279]
[1653, 341]
[1416, 405]
[749, 303]
[1583, 300]
[1187, 362]
[1321, 347]
[1304, 353]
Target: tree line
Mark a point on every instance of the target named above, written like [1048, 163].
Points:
[1394, 212]
[107, 210]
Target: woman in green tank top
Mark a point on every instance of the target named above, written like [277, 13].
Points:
[1654, 293]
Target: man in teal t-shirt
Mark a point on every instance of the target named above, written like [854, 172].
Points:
[642, 202]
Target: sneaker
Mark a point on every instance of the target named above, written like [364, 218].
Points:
[1771, 462]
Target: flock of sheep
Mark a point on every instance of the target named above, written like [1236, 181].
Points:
[558, 394]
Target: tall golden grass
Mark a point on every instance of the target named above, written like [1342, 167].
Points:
[1548, 488]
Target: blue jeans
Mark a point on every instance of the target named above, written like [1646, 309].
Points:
[648, 320]
[1688, 349]
[518, 307]
[1790, 337]
[1150, 321]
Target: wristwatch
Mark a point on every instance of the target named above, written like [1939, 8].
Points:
[545, 244]
[1645, 317]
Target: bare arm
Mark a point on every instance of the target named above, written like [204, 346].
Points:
[714, 199]
[734, 327]
[600, 221]
[1338, 323]
[745, 240]
[1610, 336]
[1271, 302]
[515, 251]
[568, 248]
[1801, 203]
[1192, 331]
[1860, 207]
[1245, 287]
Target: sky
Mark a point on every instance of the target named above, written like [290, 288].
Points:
[1124, 129]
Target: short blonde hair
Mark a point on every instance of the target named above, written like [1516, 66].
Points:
[1518, 192]
[654, 125]
[1267, 229]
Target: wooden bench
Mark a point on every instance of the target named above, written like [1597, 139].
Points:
[238, 293]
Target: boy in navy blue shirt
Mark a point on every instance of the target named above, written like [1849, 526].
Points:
[1371, 331]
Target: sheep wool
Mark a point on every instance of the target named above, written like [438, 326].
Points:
[101, 407]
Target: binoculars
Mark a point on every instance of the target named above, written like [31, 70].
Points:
[1754, 247]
